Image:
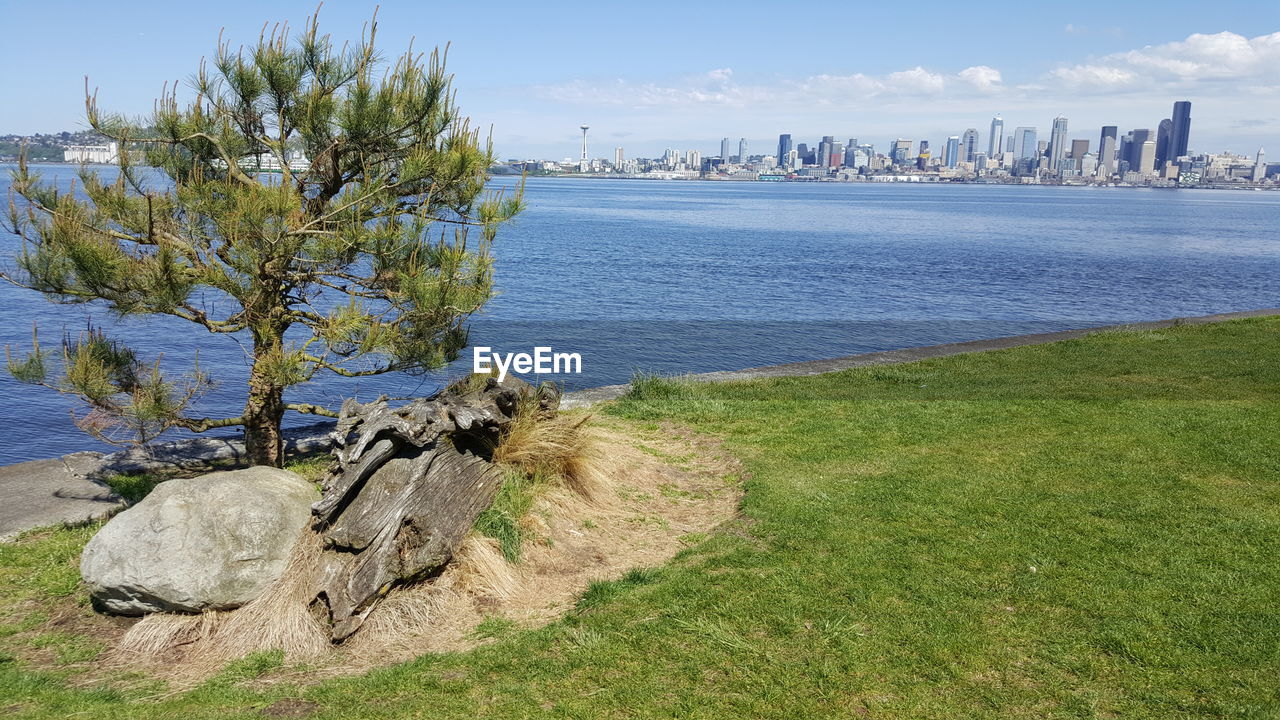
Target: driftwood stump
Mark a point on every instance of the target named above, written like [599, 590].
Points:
[406, 486]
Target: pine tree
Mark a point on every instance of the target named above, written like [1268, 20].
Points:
[359, 260]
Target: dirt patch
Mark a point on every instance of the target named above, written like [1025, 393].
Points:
[653, 492]
[662, 490]
[290, 708]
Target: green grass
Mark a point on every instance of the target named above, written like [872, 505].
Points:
[1088, 529]
[501, 521]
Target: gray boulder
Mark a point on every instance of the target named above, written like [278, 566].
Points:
[212, 542]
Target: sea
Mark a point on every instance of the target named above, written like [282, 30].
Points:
[673, 277]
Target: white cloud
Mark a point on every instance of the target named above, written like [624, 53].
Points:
[916, 79]
[1199, 58]
[981, 77]
[1094, 77]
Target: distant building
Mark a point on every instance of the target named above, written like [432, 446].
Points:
[901, 153]
[997, 135]
[951, 155]
[1107, 150]
[724, 150]
[108, 153]
[969, 144]
[1058, 143]
[1079, 148]
[1146, 157]
[1140, 136]
[784, 148]
[742, 150]
[1025, 154]
[1162, 142]
[1180, 132]
[1087, 164]
[824, 150]
[617, 157]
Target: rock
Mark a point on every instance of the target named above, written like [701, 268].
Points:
[212, 542]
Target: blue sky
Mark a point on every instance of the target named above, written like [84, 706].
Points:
[660, 74]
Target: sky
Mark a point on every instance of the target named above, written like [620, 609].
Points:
[657, 74]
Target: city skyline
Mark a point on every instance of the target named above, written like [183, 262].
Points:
[1098, 63]
[1142, 156]
[1170, 141]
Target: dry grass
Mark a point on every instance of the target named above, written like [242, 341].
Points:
[607, 503]
[279, 619]
[564, 447]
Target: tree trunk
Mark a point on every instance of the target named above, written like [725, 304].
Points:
[263, 443]
[406, 486]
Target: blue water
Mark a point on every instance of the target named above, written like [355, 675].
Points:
[696, 276]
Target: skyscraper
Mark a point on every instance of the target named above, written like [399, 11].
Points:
[1107, 150]
[1079, 148]
[617, 157]
[1162, 142]
[724, 150]
[837, 154]
[824, 150]
[742, 150]
[1180, 133]
[1140, 136]
[969, 144]
[952, 153]
[1024, 142]
[1058, 143]
[997, 134]
[784, 148]
[1146, 155]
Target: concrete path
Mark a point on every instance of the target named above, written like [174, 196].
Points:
[68, 489]
[51, 492]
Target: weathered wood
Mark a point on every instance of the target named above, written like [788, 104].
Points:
[407, 485]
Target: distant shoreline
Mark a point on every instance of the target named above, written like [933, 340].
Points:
[1108, 186]
[923, 180]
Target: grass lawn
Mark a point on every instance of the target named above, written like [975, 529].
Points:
[1077, 530]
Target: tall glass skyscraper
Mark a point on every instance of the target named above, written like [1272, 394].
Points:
[1058, 143]
[724, 150]
[1180, 133]
[784, 149]
[1024, 142]
[997, 137]
[1162, 142]
[969, 144]
[952, 153]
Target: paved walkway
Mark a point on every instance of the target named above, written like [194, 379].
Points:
[68, 490]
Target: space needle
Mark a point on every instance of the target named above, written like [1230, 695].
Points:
[584, 143]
